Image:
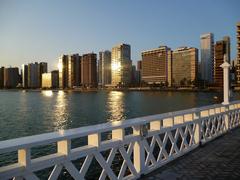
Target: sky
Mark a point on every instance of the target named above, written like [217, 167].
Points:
[34, 31]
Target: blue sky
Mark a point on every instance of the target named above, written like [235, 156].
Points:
[43, 30]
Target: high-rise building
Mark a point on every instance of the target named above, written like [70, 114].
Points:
[46, 80]
[63, 71]
[169, 68]
[184, 66]
[1, 77]
[156, 66]
[121, 65]
[74, 70]
[135, 76]
[207, 57]
[11, 77]
[221, 49]
[89, 70]
[69, 71]
[104, 68]
[42, 69]
[139, 65]
[227, 42]
[33, 75]
[238, 55]
[139, 71]
[25, 76]
[233, 66]
[50, 80]
[55, 79]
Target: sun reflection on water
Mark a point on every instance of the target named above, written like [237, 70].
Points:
[61, 113]
[47, 93]
[115, 106]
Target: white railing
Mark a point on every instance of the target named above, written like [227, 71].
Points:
[138, 146]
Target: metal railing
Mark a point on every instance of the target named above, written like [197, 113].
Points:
[138, 145]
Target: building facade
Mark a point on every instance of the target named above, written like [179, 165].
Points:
[25, 76]
[50, 80]
[207, 57]
[33, 75]
[238, 55]
[121, 65]
[184, 66]
[46, 80]
[1, 77]
[74, 70]
[42, 69]
[89, 70]
[63, 71]
[104, 68]
[55, 79]
[221, 49]
[156, 66]
[11, 77]
[69, 67]
[139, 71]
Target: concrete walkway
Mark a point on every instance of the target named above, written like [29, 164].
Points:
[219, 159]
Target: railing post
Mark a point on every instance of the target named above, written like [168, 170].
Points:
[225, 67]
[94, 139]
[64, 147]
[198, 124]
[118, 134]
[24, 157]
[138, 152]
[226, 119]
[156, 125]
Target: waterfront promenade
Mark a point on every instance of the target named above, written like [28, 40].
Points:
[217, 160]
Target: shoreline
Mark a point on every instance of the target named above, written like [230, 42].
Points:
[145, 89]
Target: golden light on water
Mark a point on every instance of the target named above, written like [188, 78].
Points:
[116, 105]
[47, 93]
[60, 112]
[60, 93]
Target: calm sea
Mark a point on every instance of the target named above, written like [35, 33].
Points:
[27, 113]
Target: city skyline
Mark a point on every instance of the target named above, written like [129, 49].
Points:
[45, 36]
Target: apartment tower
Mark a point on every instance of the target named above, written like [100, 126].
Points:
[89, 70]
[156, 66]
[221, 47]
[25, 76]
[11, 77]
[207, 57]
[69, 67]
[121, 65]
[184, 66]
[104, 68]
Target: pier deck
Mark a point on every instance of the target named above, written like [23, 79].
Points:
[219, 159]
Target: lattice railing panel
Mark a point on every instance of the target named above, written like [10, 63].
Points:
[213, 126]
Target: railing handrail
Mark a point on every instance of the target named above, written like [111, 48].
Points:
[47, 138]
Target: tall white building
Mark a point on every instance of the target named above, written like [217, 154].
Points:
[104, 68]
[207, 57]
[121, 65]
